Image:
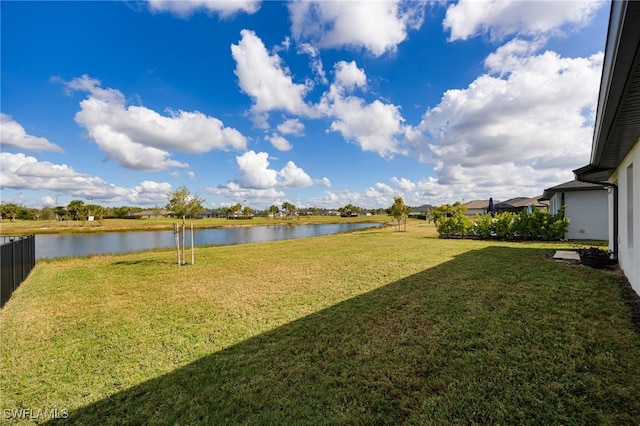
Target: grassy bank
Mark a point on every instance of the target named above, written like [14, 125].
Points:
[142, 224]
[360, 328]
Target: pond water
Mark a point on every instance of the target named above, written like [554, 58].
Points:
[65, 245]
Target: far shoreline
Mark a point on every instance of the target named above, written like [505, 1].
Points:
[27, 227]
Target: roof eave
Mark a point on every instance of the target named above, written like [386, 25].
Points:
[621, 61]
[590, 173]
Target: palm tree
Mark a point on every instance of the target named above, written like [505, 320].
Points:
[247, 211]
[273, 211]
[289, 208]
[76, 209]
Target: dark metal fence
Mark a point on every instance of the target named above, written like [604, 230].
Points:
[17, 259]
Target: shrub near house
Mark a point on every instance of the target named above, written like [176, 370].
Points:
[524, 226]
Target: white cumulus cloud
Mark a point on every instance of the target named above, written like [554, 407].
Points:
[279, 142]
[374, 126]
[376, 26]
[349, 76]
[291, 127]
[315, 61]
[13, 135]
[404, 184]
[224, 8]
[255, 173]
[500, 18]
[514, 123]
[150, 192]
[48, 201]
[263, 184]
[266, 79]
[20, 171]
[238, 194]
[139, 138]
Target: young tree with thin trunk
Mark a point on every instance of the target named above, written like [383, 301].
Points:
[400, 211]
[183, 204]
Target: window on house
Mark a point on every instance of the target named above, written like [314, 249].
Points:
[630, 206]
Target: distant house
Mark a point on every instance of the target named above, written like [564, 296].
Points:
[423, 209]
[504, 207]
[615, 151]
[586, 207]
[208, 213]
[521, 203]
[421, 212]
[477, 207]
[512, 205]
[152, 214]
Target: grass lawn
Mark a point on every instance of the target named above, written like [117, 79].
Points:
[369, 327]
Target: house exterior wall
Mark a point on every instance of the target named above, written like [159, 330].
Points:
[587, 212]
[555, 203]
[627, 177]
[474, 212]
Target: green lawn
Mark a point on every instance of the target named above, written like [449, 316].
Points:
[371, 327]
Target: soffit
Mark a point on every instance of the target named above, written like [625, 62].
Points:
[618, 117]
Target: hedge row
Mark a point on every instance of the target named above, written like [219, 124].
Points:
[523, 226]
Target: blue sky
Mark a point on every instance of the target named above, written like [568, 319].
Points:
[319, 104]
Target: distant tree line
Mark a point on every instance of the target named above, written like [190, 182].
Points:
[75, 210]
[184, 204]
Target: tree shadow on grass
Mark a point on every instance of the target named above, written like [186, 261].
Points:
[483, 338]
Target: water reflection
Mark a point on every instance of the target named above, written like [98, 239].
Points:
[65, 245]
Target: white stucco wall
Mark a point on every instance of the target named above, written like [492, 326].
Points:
[474, 212]
[587, 212]
[628, 213]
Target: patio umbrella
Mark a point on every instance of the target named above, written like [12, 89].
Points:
[491, 209]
